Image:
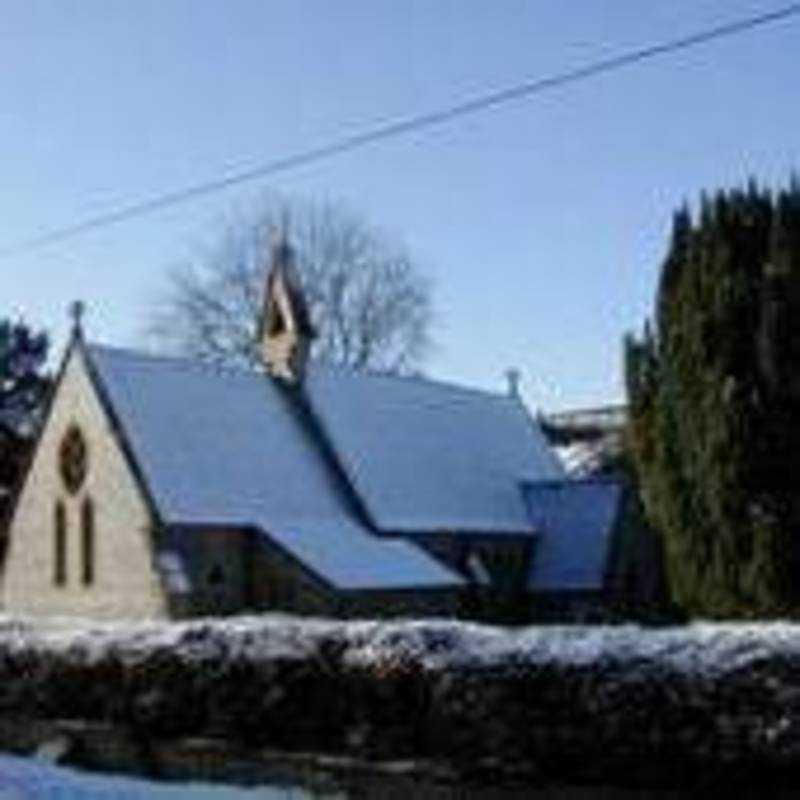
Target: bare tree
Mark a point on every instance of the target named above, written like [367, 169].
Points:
[369, 304]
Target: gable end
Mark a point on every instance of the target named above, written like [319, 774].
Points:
[43, 569]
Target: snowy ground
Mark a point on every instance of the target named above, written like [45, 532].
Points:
[29, 779]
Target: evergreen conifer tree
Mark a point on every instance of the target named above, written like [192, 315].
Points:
[22, 390]
[713, 392]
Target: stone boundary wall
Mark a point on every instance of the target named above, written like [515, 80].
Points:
[622, 717]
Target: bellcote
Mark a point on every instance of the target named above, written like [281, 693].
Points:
[285, 332]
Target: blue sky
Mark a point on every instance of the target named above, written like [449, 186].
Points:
[542, 222]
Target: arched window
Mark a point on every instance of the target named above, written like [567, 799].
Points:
[276, 321]
[60, 545]
[87, 541]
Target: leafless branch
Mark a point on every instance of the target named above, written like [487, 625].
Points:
[369, 304]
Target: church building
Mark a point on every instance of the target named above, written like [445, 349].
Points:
[165, 487]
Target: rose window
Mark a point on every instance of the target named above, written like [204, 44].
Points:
[73, 460]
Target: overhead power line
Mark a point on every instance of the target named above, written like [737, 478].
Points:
[398, 127]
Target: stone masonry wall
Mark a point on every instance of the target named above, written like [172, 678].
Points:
[629, 713]
[126, 585]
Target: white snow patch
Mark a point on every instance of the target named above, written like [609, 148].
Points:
[701, 648]
[32, 779]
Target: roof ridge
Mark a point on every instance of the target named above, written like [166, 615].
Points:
[197, 363]
[416, 378]
[211, 366]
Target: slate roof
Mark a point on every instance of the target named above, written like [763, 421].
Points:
[424, 455]
[228, 448]
[578, 519]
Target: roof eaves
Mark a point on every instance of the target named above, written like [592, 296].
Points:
[310, 572]
[493, 531]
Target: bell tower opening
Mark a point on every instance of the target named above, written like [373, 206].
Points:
[285, 332]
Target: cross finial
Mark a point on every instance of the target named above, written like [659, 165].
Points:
[286, 224]
[76, 311]
[282, 254]
[280, 231]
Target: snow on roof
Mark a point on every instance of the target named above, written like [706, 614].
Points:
[585, 458]
[227, 448]
[576, 520]
[424, 455]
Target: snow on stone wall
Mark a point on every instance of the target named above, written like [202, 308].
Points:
[465, 693]
[703, 649]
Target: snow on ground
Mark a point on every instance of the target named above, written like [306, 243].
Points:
[702, 648]
[30, 779]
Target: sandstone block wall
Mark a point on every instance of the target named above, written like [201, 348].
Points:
[126, 584]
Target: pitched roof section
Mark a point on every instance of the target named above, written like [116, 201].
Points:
[424, 455]
[577, 519]
[226, 448]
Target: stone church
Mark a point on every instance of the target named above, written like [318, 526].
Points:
[164, 487]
